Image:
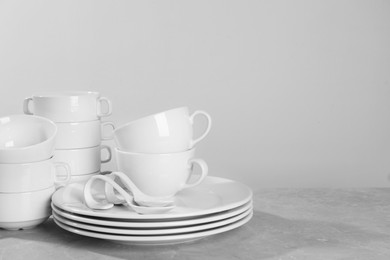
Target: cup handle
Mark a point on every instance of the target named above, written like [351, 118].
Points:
[109, 136]
[26, 108]
[106, 147]
[62, 182]
[204, 171]
[208, 117]
[100, 101]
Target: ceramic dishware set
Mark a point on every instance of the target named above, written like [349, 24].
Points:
[160, 193]
[28, 174]
[77, 115]
[155, 156]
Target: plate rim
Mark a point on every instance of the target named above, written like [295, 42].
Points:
[128, 223]
[158, 240]
[151, 231]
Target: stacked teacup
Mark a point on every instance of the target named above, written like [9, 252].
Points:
[157, 152]
[28, 174]
[77, 115]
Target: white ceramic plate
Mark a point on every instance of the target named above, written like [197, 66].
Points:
[213, 195]
[150, 231]
[159, 239]
[125, 223]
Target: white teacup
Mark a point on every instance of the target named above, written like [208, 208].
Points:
[26, 138]
[26, 177]
[68, 106]
[85, 160]
[74, 135]
[166, 132]
[161, 175]
[25, 210]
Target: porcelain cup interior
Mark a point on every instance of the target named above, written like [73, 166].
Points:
[86, 160]
[77, 135]
[165, 132]
[25, 209]
[26, 138]
[161, 175]
[68, 106]
[26, 177]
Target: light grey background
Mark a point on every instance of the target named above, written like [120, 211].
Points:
[299, 90]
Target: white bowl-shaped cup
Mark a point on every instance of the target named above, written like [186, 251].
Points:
[75, 135]
[24, 210]
[85, 160]
[26, 138]
[166, 132]
[25, 177]
[68, 106]
[161, 175]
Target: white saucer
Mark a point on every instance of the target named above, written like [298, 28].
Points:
[150, 231]
[126, 223]
[156, 239]
[213, 195]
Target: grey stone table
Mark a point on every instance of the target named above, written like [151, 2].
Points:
[287, 224]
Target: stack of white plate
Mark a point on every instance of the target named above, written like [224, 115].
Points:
[216, 205]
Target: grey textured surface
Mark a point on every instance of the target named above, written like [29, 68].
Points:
[287, 224]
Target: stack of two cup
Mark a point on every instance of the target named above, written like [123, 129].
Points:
[28, 175]
[157, 152]
[77, 115]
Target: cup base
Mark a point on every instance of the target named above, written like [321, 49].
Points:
[22, 225]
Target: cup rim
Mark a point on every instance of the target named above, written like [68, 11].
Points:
[29, 192]
[26, 164]
[64, 94]
[85, 175]
[117, 150]
[83, 149]
[94, 121]
[147, 116]
[44, 119]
